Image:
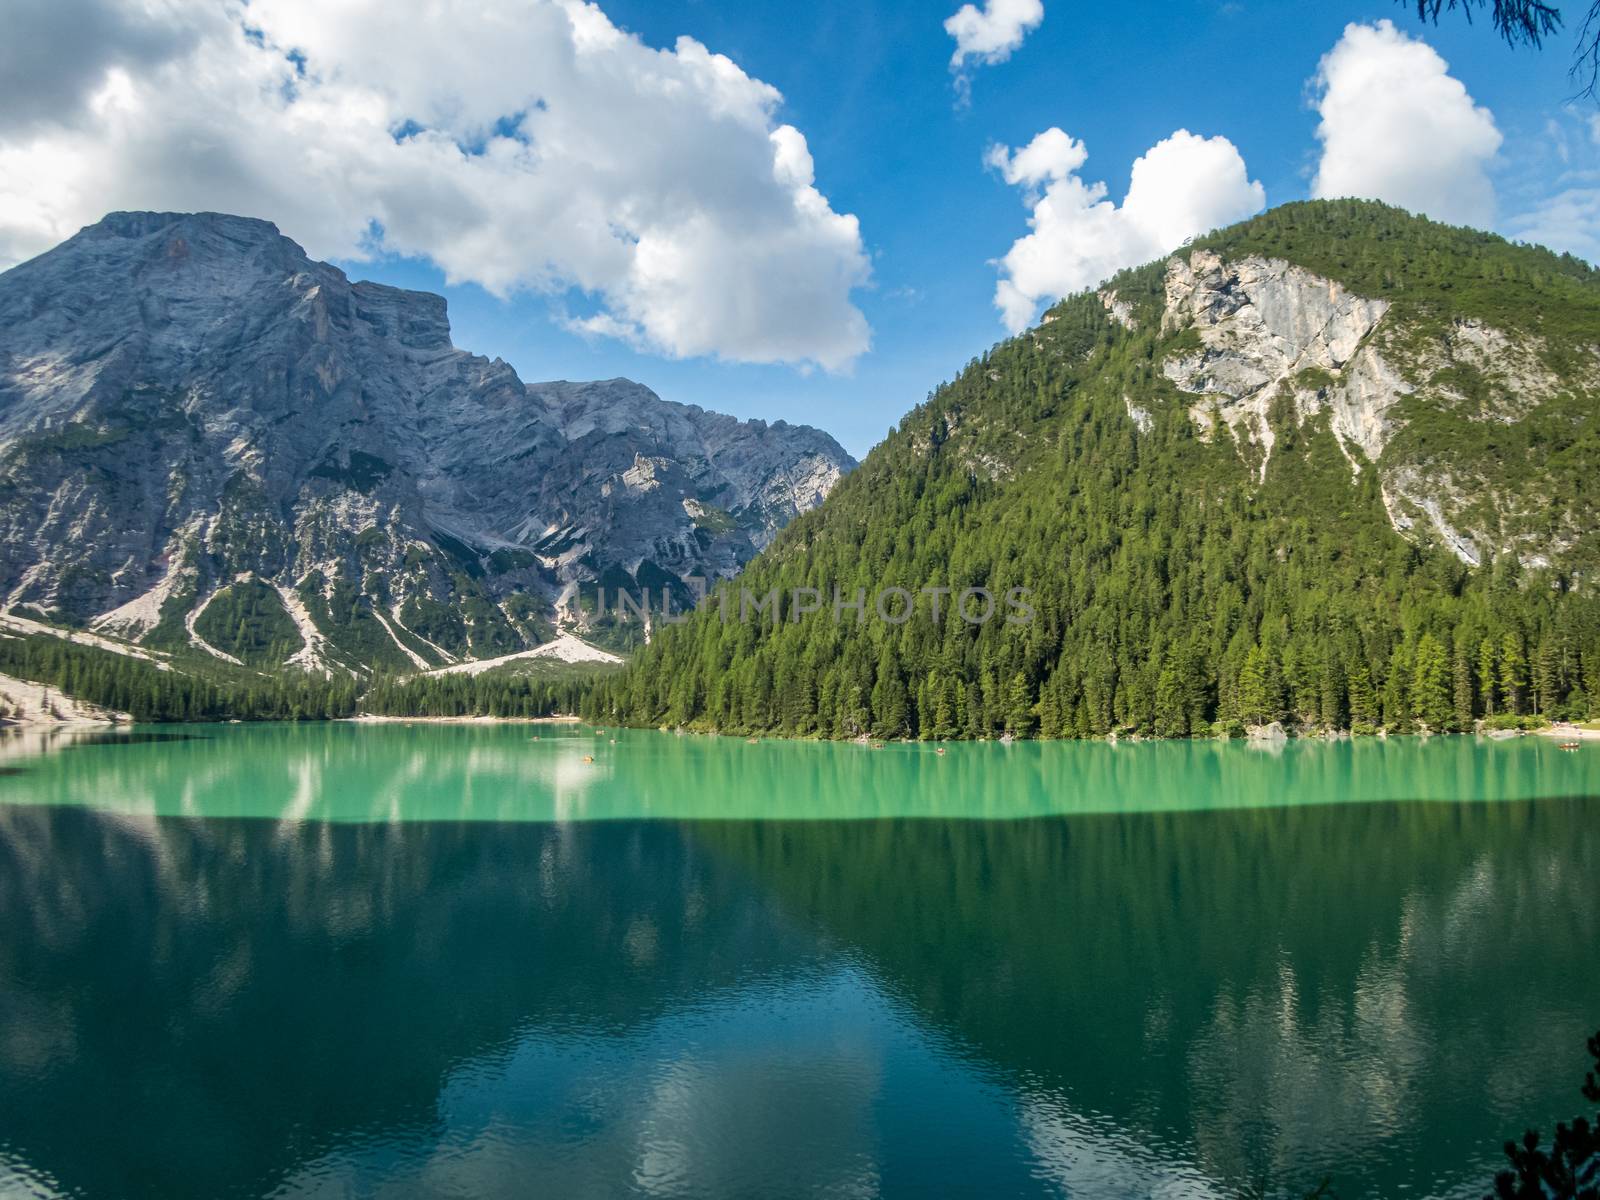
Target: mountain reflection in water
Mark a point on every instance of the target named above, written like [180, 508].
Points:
[1104, 1005]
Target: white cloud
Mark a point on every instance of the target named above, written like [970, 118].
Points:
[516, 143]
[1549, 187]
[1397, 127]
[1567, 221]
[56, 51]
[1051, 155]
[991, 34]
[1182, 186]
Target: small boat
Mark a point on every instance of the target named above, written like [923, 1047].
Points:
[1570, 745]
[613, 741]
[940, 750]
[752, 741]
[877, 745]
[588, 758]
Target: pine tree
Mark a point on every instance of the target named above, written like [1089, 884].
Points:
[889, 709]
[1432, 702]
[1546, 676]
[1396, 691]
[1332, 713]
[1488, 674]
[1463, 696]
[1172, 715]
[1019, 706]
[1260, 687]
[944, 706]
[1513, 672]
[1364, 708]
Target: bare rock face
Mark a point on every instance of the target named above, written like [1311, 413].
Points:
[193, 413]
[1265, 326]
[1263, 332]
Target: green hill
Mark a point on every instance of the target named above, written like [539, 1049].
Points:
[1335, 466]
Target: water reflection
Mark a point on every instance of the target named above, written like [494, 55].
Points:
[223, 999]
[1106, 1006]
[343, 772]
[17, 745]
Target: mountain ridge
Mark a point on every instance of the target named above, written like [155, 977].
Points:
[190, 408]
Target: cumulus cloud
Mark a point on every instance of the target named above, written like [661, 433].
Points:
[56, 51]
[1182, 186]
[1397, 127]
[1567, 221]
[1551, 186]
[518, 144]
[991, 34]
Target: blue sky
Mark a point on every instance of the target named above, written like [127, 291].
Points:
[869, 87]
[590, 168]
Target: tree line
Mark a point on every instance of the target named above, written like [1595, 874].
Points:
[495, 694]
[146, 692]
[182, 691]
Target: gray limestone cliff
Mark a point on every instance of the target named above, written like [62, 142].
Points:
[208, 439]
[1259, 339]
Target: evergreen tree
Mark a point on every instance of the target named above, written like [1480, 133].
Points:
[1396, 689]
[1019, 706]
[1488, 675]
[1546, 676]
[1432, 699]
[1172, 711]
[889, 707]
[1465, 701]
[1365, 713]
[1332, 712]
[1260, 687]
[1513, 672]
[945, 705]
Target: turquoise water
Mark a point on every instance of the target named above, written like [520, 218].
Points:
[488, 772]
[455, 961]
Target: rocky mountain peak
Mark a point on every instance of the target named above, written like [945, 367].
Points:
[192, 410]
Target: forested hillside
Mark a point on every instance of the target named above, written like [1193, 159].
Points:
[1335, 466]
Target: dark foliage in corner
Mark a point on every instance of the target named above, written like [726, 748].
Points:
[1570, 1169]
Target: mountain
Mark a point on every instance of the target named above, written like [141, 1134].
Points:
[209, 440]
[1335, 466]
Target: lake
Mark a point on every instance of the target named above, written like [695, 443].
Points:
[462, 961]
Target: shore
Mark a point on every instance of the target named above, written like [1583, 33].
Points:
[1569, 733]
[28, 705]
